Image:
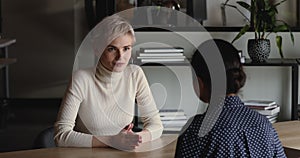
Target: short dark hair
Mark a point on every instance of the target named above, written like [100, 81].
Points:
[235, 74]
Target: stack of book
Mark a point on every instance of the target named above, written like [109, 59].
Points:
[173, 120]
[161, 54]
[267, 108]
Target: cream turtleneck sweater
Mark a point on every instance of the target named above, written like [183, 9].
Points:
[101, 103]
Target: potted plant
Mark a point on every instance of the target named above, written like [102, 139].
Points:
[263, 21]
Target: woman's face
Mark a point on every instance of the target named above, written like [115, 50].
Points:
[117, 54]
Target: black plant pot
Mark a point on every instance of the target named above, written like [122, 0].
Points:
[259, 49]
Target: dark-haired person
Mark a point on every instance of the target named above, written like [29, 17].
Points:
[238, 131]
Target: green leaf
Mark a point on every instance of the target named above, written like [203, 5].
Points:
[292, 37]
[280, 28]
[290, 30]
[279, 45]
[241, 33]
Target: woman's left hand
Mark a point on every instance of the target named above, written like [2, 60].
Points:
[144, 135]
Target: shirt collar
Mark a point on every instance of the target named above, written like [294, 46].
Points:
[106, 75]
[233, 101]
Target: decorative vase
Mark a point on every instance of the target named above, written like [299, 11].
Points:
[259, 49]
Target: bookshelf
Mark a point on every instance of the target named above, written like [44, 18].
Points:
[162, 52]
[293, 63]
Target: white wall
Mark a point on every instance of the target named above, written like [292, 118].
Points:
[172, 87]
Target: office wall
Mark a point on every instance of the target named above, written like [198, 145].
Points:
[47, 38]
[48, 33]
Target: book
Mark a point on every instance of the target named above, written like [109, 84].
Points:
[171, 112]
[270, 111]
[259, 103]
[262, 107]
[161, 49]
[162, 60]
[172, 129]
[160, 54]
[273, 119]
[174, 117]
[161, 57]
[271, 116]
[176, 123]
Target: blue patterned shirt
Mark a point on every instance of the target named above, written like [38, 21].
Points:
[238, 132]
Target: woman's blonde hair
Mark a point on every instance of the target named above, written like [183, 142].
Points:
[108, 30]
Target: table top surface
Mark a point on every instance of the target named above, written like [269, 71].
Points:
[288, 132]
[168, 141]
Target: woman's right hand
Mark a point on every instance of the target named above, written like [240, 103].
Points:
[126, 139]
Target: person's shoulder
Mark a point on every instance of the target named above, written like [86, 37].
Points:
[193, 124]
[133, 70]
[83, 74]
[199, 117]
[249, 118]
[256, 118]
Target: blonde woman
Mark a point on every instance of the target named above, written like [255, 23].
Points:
[98, 106]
